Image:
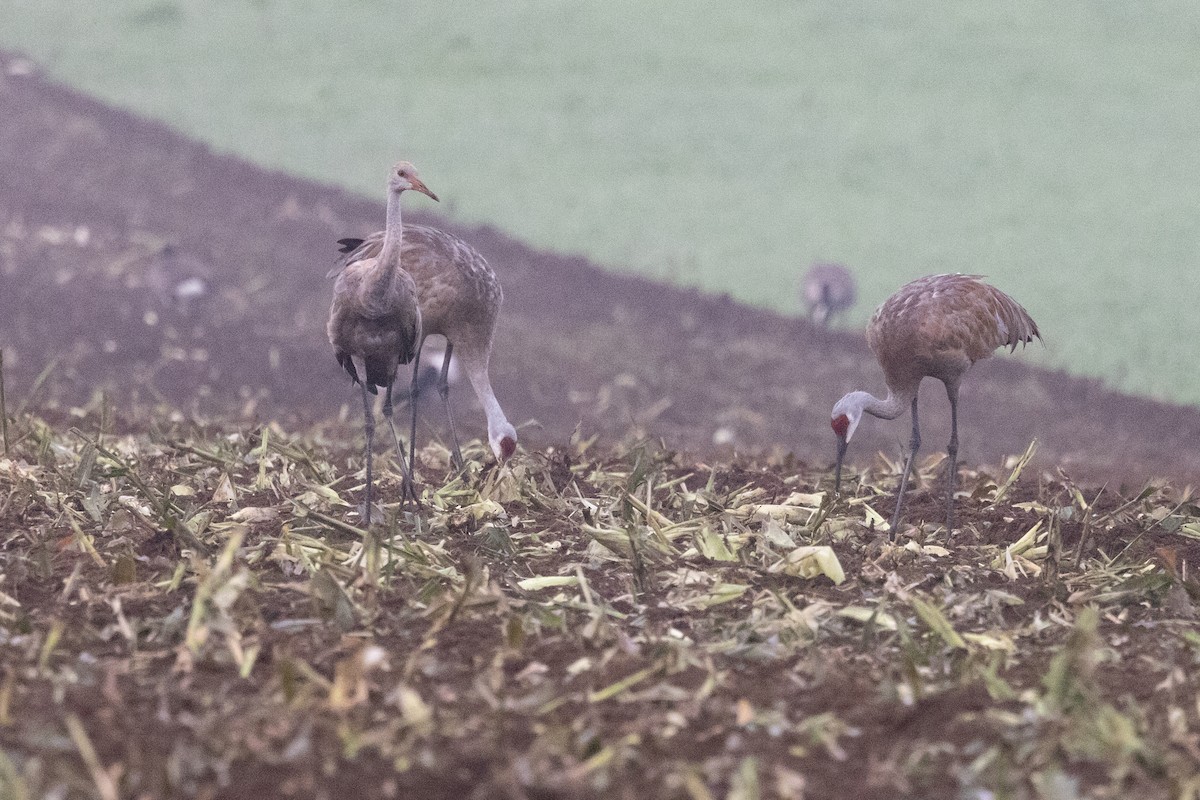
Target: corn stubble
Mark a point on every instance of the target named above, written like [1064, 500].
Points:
[190, 606]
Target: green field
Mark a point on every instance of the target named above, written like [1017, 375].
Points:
[1052, 146]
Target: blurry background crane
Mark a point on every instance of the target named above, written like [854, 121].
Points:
[827, 289]
[429, 373]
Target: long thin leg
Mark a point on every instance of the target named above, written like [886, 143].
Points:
[369, 429]
[952, 450]
[412, 428]
[444, 390]
[913, 447]
[407, 487]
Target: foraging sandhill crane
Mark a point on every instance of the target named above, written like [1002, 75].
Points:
[937, 327]
[827, 289]
[375, 321]
[460, 299]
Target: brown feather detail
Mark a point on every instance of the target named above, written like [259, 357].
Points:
[941, 324]
[377, 323]
[459, 293]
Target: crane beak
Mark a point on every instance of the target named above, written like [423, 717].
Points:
[418, 186]
[837, 480]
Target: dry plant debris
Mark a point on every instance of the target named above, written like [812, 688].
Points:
[190, 610]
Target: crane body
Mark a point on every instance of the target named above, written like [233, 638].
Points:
[460, 298]
[937, 327]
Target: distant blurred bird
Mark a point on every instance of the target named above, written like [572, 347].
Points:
[429, 375]
[937, 327]
[375, 321]
[460, 299]
[827, 289]
[178, 279]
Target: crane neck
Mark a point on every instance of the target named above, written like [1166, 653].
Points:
[379, 287]
[393, 234]
[889, 407]
[499, 428]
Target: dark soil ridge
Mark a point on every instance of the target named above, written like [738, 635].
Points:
[90, 194]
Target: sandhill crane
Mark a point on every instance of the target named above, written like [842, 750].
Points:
[375, 321]
[460, 299]
[827, 289]
[936, 326]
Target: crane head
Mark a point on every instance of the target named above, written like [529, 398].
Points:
[840, 425]
[508, 446]
[503, 438]
[404, 176]
[847, 413]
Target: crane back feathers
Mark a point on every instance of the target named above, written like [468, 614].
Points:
[941, 324]
[459, 293]
[424, 251]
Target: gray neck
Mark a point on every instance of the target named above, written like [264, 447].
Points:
[393, 231]
[380, 285]
[889, 408]
[477, 374]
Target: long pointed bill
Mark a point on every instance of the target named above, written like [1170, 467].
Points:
[418, 186]
[837, 480]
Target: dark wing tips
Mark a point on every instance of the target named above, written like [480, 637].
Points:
[377, 375]
[349, 247]
[347, 363]
[1026, 329]
[1035, 334]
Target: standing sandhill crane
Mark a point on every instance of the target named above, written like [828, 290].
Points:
[936, 326]
[460, 299]
[827, 289]
[375, 321]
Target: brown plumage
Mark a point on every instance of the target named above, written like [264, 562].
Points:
[375, 321]
[937, 327]
[460, 299]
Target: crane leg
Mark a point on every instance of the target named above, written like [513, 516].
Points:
[369, 430]
[913, 447]
[952, 451]
[443, 388]
[408, 486]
